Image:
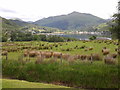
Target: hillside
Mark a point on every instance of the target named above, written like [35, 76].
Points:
[74, 20]
[19, 22]
[8, 25]
[28, 26]
[105, 26]
[10, 28]
[13, 25]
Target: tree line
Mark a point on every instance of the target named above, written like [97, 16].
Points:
[115, 29]
[22, 36]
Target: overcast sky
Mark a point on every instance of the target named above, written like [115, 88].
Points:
[32, 10]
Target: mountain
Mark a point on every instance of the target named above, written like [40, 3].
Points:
[11, 25]
[74, 20]
[11, 28]
[16, 19]
[19, 22]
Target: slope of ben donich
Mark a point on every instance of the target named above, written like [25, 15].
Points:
[74, 20]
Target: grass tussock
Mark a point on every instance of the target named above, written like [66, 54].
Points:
[74, 74]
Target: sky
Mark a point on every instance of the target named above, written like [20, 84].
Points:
[32, 10]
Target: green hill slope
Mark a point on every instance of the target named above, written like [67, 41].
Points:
[8, 25]
[74, 20]
[20, 22]
[12, 29]
[32, 27]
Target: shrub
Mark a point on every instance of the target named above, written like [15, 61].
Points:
[92, 38]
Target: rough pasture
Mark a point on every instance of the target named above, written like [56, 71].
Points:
[95, 50]
[83, 62]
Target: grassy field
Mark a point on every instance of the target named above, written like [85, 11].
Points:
[9, 83]
[64, 47]
[77, 73]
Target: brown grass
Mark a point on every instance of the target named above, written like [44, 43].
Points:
[96, 56]
[105, 51]
[109, 60]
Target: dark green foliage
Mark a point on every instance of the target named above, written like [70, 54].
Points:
[42, 37]
[21, 36]
[4, 39]
[92, 38]
[115, 28]
[55, 39]
[46, 32]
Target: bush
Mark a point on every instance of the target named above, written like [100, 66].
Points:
[92, 38]
[55, 39]
[4, 39]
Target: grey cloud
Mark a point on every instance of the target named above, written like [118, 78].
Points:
[7, 10]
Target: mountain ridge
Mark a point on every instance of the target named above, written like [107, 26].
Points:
[74, 20]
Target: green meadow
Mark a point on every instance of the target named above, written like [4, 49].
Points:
[9, 83]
